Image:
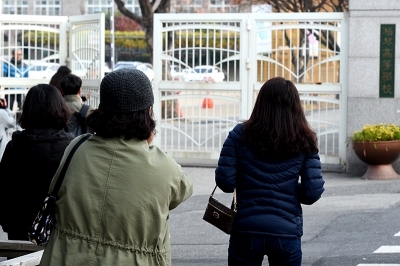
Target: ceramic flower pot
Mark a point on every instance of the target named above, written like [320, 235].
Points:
[379, 156]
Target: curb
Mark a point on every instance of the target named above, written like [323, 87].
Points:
[213, 163]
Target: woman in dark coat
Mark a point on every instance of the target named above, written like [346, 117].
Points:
[31, 158]
[263, 159]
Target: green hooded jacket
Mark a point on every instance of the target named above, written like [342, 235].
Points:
[114, 203]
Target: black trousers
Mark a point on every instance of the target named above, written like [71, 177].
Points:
[12, 98]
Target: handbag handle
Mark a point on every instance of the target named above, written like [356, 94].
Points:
[60, 179]
[234, 197]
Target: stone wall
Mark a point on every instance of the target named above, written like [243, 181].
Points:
[364, 104]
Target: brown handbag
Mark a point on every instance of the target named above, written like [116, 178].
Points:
[219, 215]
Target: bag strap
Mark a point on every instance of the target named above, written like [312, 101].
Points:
[234, 197]
[84, 110]
[60, 179]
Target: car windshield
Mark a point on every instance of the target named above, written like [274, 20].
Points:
[54, 68]
[38, 68]
[132, 64]
[125, 66]
[203, 70]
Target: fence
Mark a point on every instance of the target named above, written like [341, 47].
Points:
[208, 70]
[198, 108]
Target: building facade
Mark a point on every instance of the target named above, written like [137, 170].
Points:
[74, 7]
[62, 7]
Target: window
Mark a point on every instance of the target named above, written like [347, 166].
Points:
[138, 11]
[222, 5]
[96, 6]
[15, 7]
[50, 7]
[220, 2]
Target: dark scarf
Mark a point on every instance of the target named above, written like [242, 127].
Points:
[18, 64]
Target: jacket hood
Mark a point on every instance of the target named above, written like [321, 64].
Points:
[40, 134]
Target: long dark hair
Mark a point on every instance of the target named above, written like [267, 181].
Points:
[277, 127]
[44, 107]
[108, 124]
[58, 76]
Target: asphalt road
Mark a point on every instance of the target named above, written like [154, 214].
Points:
[353, 219]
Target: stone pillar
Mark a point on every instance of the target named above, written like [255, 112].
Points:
[364, 104]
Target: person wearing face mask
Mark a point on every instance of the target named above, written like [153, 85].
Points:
[15, 69]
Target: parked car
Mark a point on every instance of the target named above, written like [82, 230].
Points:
[205, 73]
[42, 70]
[144, 67]
[176, 74]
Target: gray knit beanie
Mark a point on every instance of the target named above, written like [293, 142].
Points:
[126, 90]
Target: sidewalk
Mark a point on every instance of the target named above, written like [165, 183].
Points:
[212, 163]
[336, 183]
[194, 242]
[202, 172]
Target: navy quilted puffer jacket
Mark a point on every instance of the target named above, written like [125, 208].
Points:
[269, 192]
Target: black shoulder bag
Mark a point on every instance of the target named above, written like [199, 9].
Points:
[219, 215]
[39, 232]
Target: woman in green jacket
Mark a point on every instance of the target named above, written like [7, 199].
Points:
[114, 202]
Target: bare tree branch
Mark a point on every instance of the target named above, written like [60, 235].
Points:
[128, 13]
[146, 21]
[155, 5]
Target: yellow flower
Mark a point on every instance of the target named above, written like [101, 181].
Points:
[377, 132]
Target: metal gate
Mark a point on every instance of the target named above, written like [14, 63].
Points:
[210, 67]
[87, 52]
[46, 43]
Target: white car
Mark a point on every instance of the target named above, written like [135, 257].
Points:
[42, 70]
[176, 74]
[205, 73]
[146, 68]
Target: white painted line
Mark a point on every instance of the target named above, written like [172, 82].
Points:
[398, 234]
[378, 264]
[388, 249]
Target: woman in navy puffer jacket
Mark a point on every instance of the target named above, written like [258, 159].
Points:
[272, 160]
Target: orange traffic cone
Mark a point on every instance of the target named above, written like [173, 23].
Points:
[207, 103]
[178, 107]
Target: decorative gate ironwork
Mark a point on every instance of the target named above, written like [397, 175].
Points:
[87, 52]
[209, 68]
[48, 42]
